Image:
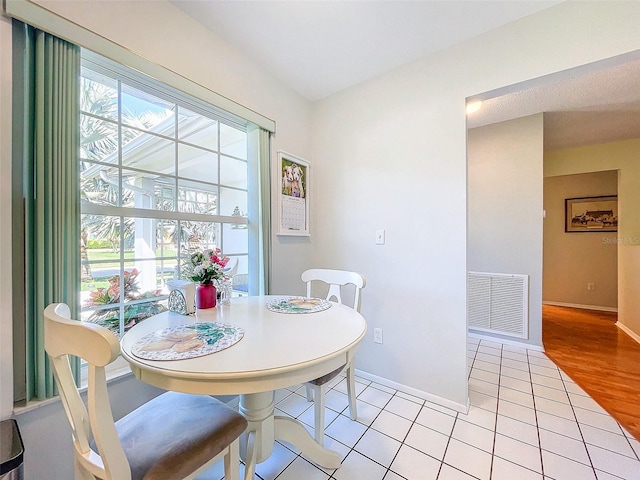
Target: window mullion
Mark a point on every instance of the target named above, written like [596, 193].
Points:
[175, 180]
[96, 209]
[121, 217]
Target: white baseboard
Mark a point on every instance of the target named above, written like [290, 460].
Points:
[458, 407]
[585, 307]
[629, 332]
[513, 343]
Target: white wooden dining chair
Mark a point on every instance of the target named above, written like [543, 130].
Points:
[173, 436]
[231, 268]
[316, 389]
[240, 284]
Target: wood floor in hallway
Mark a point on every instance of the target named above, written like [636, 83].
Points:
[602, 359]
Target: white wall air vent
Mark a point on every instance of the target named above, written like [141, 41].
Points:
[498, 303]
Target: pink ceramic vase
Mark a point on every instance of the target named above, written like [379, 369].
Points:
[205, 296]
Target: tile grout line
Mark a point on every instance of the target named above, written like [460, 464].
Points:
[621, 434]
[578, 423]
[535, 413]
[455, 419]
[495, 422]
[353, 448]
[402, 442]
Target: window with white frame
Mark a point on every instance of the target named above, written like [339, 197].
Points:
[162, 175]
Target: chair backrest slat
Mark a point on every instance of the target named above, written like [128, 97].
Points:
[335, 279]
[98, 347]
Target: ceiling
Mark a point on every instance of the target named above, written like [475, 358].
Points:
[595, 104]
[319, 47]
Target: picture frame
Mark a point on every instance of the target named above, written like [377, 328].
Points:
[292, 187]
[591, 214]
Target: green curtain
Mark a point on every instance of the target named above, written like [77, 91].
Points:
[51, 192]
[264, 149]
[259, 209]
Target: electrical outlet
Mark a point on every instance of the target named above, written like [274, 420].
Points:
[379, 237]
[377, 335]
[591, 286]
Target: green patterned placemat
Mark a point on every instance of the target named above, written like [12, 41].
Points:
[187, 341]
[298, 305]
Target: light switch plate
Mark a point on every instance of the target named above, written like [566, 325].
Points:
[377, 335]
[380, 237]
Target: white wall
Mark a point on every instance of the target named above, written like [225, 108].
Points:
[505, 199]
[375, 169]
[391, 153]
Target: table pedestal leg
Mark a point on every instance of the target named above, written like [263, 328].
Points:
[257, 445]
[264, 429]
[293, 432]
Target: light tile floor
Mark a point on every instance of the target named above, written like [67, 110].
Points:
[528, 421]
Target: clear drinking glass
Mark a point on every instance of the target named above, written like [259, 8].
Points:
[225, 291]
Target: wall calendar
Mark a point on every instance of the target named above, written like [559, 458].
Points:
[293, 195]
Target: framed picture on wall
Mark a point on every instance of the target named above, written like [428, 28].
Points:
[591, 214]
[292, 174]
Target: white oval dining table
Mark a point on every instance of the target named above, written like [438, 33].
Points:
[278, 350]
